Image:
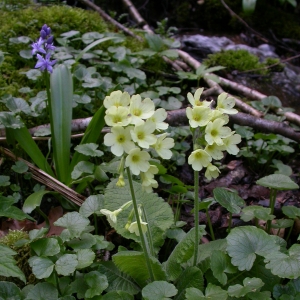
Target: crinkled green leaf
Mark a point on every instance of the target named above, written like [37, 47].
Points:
[9, 120]
[9, 291]
[45, 247]
[8, 266]
[89, 149]
[97, 283]
[250, 285]
[85, 241]
[18, 105]
[20, 167]
[92, 205]
[292, 212]
[43, 291]
[190, 277]
[230, 200]
[4, 180]
[66, 264]
[278, 182]
[212, 292]
[83, 167]
[85, 258]
[285, 265]
[221, 264]
[159, 290]
[34, 200]
[256, 211]
[156, 212]
[244, 243]
[74, 223]
[118, 280]
[42, 267]
[181, 253]
[133, 263]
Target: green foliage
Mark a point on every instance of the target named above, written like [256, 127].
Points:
[240, 60]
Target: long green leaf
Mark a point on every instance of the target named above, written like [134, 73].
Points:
[91, 135]
[23, 137]
[61, 119]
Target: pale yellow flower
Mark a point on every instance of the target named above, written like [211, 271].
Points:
[216, 114]
[211, 172]
[158, 117]
[198, 116]
[230, 142]
[117, 116]
[199, 159]
[215, 151]
[133, 228]
[140, 110]
[215, 132]
[137, 161]
[111, 215]
[195, 100]
[119, 139]
[163, 146]
[143, 135]
[148, 181]
[225, 104]
[120, 182]
[117, 98]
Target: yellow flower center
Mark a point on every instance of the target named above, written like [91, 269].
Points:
[198, 102]
[137, 112]
[135, 158]
[141, 135]
[197, 118]
[214, 132]
[121, 139]
[198, 155]
[117, 119]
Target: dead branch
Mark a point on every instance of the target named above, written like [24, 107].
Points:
[47, 180]
[106, 17]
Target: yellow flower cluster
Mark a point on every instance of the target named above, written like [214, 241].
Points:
[135, 128]
[218, 137]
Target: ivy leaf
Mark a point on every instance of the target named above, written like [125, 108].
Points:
[156, 212]
[250, 285]
[181, 253]
[85, 258]
[190, 277]
[42, 267]
[285, 265]
[81, 168]
[220, 264]
[256, 211]
[118, 280]
[43, 291]
[159, 290]
[133, 263]
[212, 292]
[278, 182]
[230, 200]
[97, 283]
[244, 243]
[74, 223]
[8, 290]
[66, 264]
[45, 247]
[89, 150]
[92, 205]
[8, 266]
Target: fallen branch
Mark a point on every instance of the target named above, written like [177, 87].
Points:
[47, 180]
[106, 17]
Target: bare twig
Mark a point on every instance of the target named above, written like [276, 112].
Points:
[106, 17]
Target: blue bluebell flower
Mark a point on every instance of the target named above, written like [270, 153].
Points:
[44, 45]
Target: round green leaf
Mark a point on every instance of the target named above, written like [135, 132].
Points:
[89, 149]
[43, 291]
[42, 267]
[256, 211]
[92, 205]
[8, 290]
[34, 200]
[278, 182]
[27, 54]
[159, 290]
[85, 258]
[45, 247]
[291, 211]
[66, 264]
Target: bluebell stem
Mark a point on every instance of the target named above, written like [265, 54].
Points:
[44, 45]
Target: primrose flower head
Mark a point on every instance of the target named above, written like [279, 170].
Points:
[211, 172]
[198, 116]
[117, 98]
[117, 116]
[148, 181]
[158, 117]
[225, 104]
[230, 142]
[133, 228]
[137, 161]
[163, 146]
[215, 132]
[111, 215]
[140, 110]
[199, 159]
[143, 135]
[195, 100]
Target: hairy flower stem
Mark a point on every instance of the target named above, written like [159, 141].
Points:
[196, 215]
[137, 217]
[210, 226]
